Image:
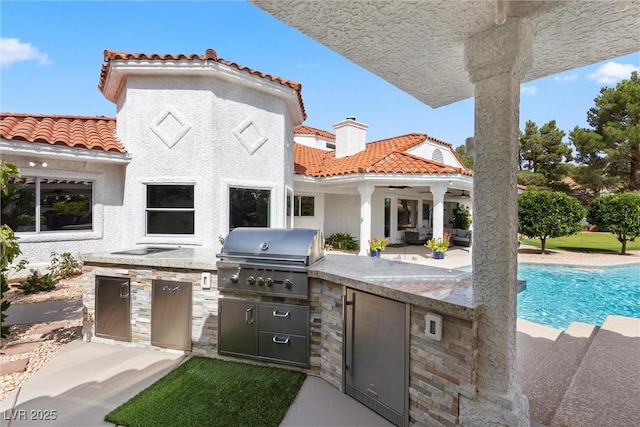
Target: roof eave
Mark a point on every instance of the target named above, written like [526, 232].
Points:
[48, 151]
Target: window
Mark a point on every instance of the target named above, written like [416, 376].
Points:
[249, 208]
[303, 206]
[48, 204]
[407, 214]
[170, 209]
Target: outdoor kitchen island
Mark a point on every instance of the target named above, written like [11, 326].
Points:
[437, 361]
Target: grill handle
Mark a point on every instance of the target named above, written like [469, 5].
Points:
[276, 340]
[276, 314]
[248, 316]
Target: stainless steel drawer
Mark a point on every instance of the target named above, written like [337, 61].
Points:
[284, 348]
[284, 318]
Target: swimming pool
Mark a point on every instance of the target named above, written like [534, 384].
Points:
[558, 295]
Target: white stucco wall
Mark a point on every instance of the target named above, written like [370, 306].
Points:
[107, 188]
[342, 214]
[207, 153]
[426, 149]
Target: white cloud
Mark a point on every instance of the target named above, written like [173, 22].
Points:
[612, 72]
[566, 78]
[13, 50]
[306, 65]
[529, 90]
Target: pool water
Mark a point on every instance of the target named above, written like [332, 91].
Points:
[558, 295]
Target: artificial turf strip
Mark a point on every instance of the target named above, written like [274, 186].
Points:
[213, 392]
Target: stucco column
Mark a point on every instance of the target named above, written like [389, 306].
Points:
[496, 61]
[366, 190]
[438, 190]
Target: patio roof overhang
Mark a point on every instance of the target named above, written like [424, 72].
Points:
[419, 47]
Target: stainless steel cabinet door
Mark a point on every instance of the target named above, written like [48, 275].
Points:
[238, 328]
[171, 314]
[113, 308]
[376, 354]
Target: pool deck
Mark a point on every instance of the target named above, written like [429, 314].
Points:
[458, 257]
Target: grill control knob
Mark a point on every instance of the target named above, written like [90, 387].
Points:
[251, 280]
[260, 281]
[287, 283]
[234, 278]
[268, 281]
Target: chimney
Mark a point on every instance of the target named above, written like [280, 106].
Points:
[351, 137]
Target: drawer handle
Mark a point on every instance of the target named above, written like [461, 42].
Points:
[276, 314]
[280, 341]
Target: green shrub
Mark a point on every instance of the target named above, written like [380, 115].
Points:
[63, 266]
[342, 241]
[38, 283]
[461, 218]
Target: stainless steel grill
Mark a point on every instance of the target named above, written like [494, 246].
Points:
[269, 261]
[272, 263]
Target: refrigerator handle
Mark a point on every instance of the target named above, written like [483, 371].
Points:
[248, 316]
[124, 290]
[351, 303]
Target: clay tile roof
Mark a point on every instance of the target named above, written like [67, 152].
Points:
[308, 130]
[93, 133]
[385, 156]
[210, 55]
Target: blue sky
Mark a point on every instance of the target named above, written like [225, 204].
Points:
[51, 54]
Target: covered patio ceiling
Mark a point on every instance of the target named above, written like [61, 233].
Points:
[418, 46]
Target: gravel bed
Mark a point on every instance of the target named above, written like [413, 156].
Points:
[51, 341]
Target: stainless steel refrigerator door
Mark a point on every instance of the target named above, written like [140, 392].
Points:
[238, 328]
[113, 308]
[376, 355]
[171, 314]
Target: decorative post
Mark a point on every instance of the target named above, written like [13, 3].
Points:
[496, 61]
[366, 190]
[438, 190]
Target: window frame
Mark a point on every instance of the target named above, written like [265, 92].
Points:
[38, 233]
[297, 206]
[147, 209]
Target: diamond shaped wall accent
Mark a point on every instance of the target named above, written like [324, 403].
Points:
[170, 126]
[250, 135]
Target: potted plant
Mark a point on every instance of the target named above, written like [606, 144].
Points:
[439, 246]
[377, 245]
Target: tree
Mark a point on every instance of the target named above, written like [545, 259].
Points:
[543, 214]
[542, 151]
[466, 160]
[618, 214]
[9, 248]
[611, 148]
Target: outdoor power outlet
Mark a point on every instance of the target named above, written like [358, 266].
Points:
[433, 326]
[205, 280]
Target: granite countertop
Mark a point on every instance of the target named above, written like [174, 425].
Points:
[446, 290]
[187, 258]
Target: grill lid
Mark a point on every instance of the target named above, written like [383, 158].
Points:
[297, 245]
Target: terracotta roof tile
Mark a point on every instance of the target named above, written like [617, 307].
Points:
[210, 54]
[385, 156]
[308, 130]
[93, 133]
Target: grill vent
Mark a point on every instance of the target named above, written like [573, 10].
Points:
[376, 406]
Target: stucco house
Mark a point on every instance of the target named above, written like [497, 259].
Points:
[201, 145]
